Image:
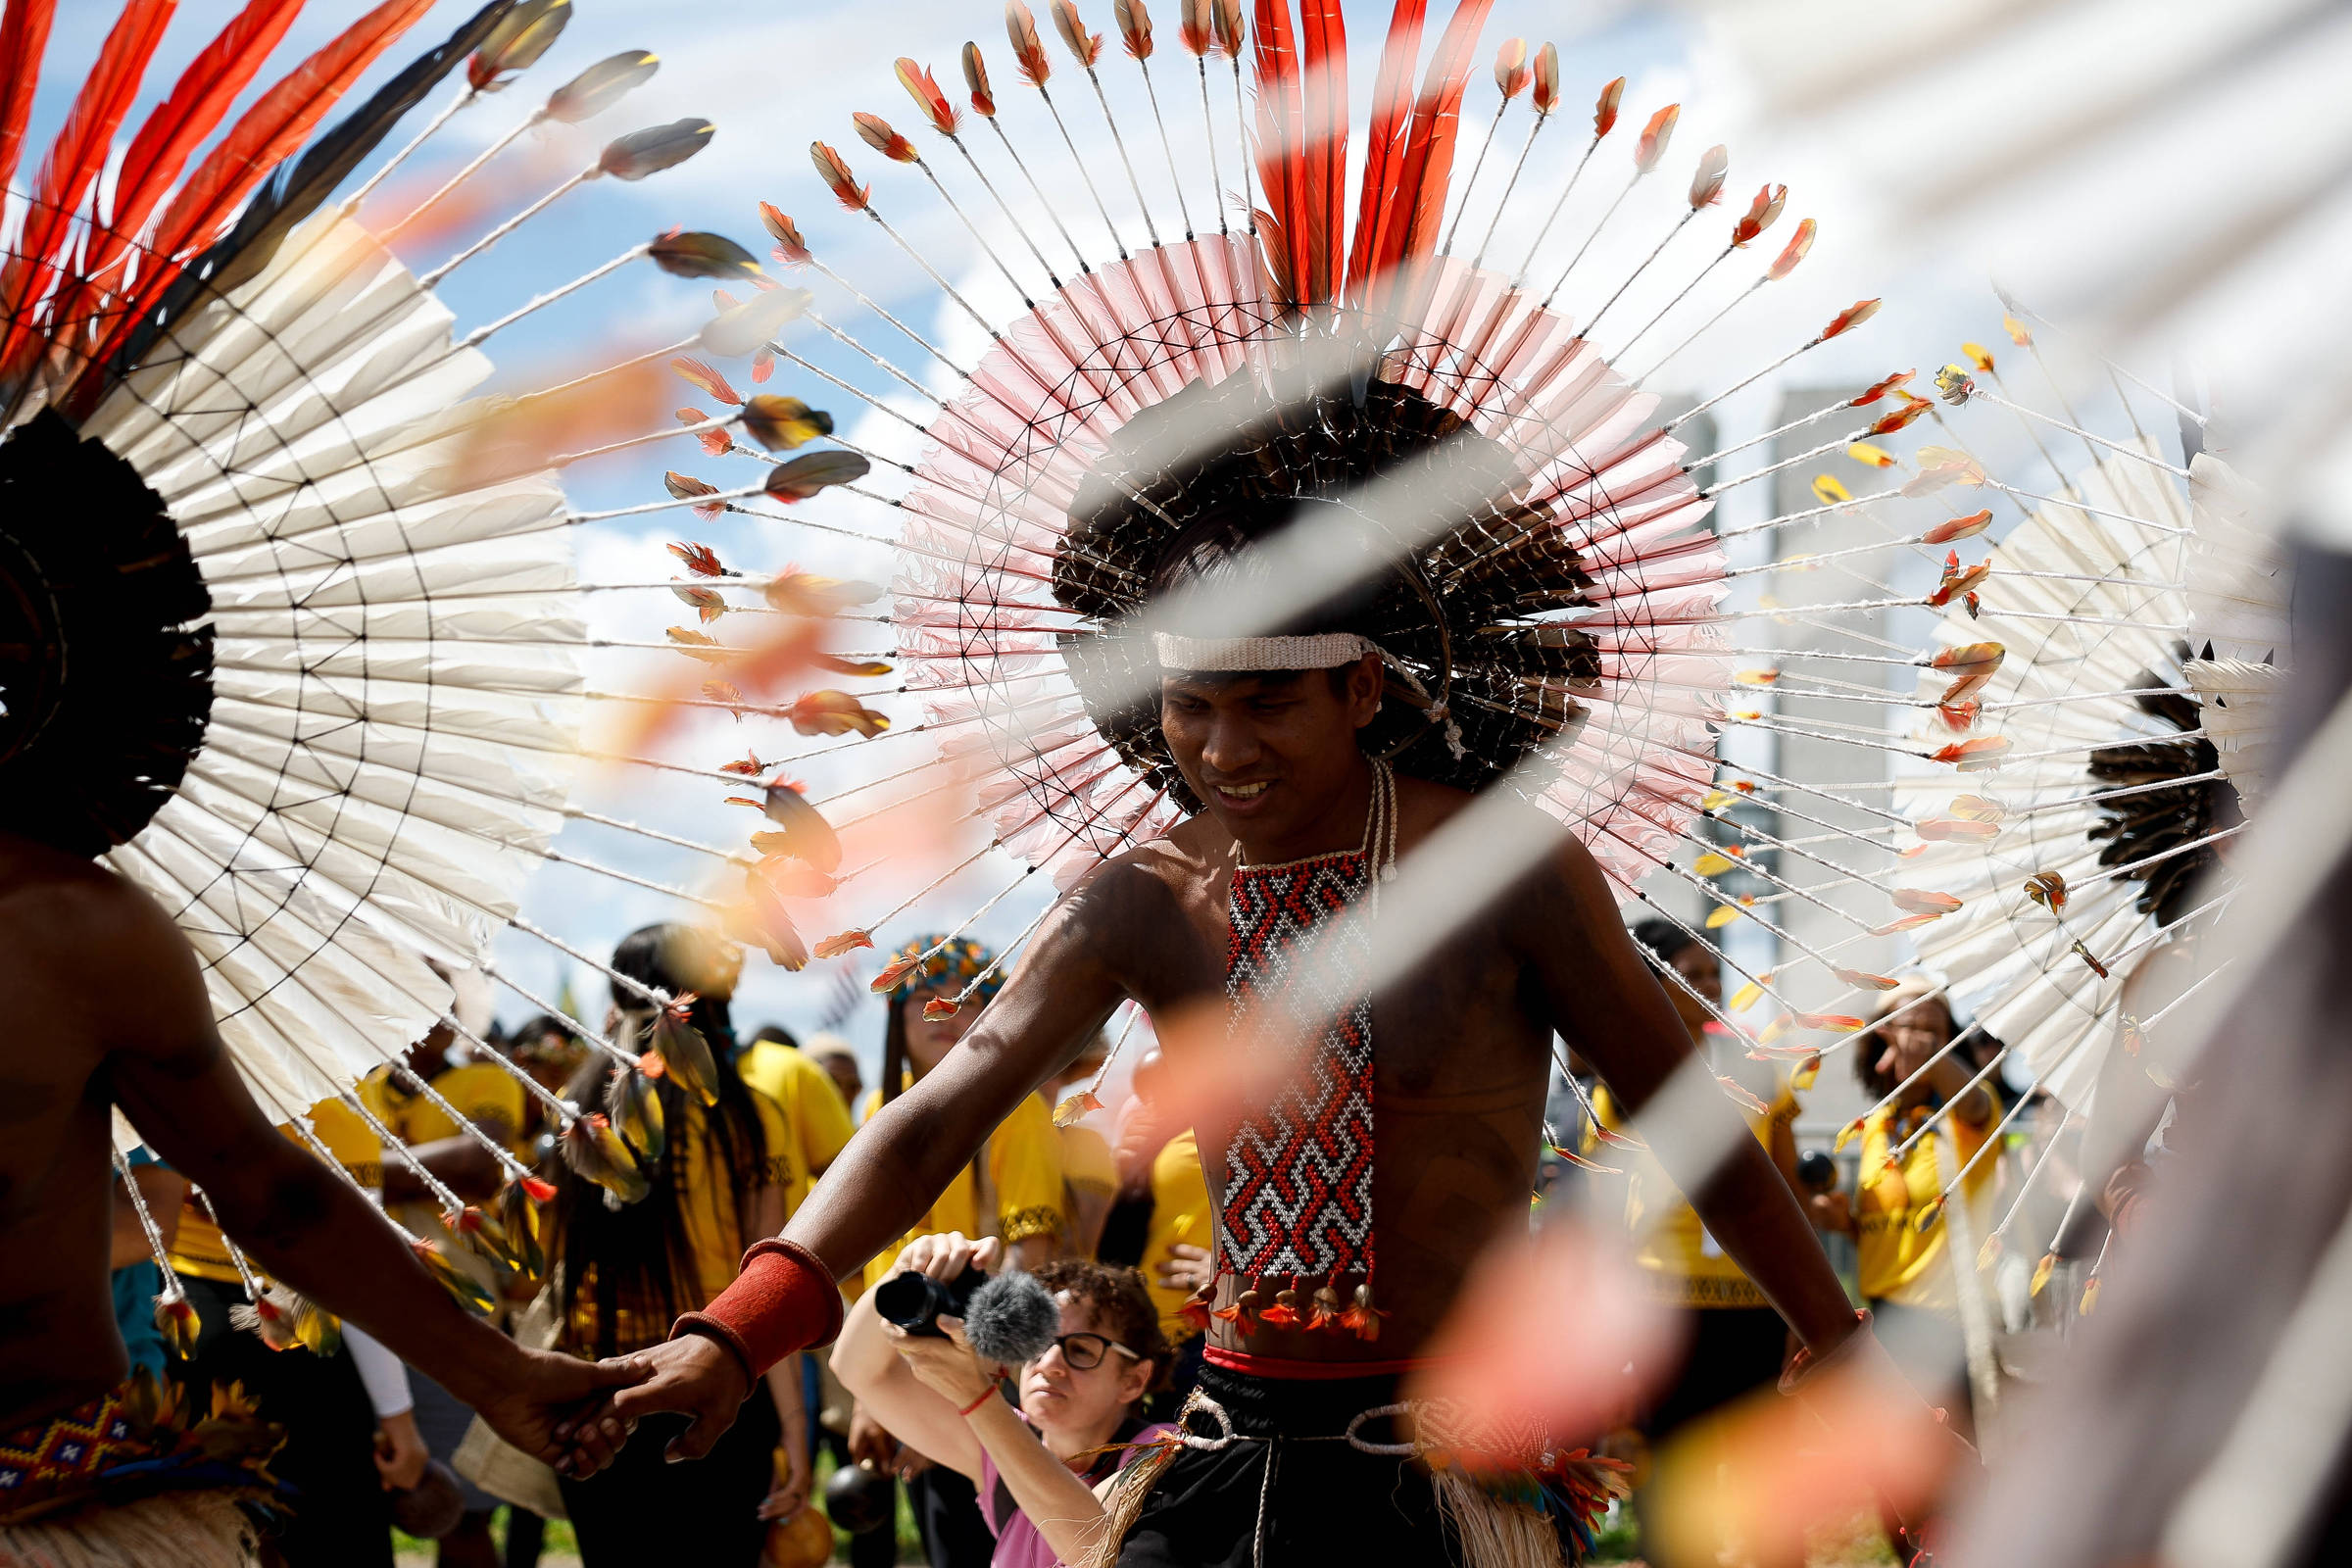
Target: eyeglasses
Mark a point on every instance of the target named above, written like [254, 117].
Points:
[1083, 1352]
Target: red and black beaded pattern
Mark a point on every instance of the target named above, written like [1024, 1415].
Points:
[1298, 1185]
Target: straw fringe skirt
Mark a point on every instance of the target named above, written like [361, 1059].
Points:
[175, 1530]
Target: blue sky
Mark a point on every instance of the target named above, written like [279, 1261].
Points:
[774, 77]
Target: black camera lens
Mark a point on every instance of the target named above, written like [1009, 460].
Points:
[912, 1300]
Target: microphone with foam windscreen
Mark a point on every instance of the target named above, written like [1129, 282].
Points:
[1011, 1319]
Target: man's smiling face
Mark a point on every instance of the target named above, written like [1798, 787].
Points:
[1271, 754]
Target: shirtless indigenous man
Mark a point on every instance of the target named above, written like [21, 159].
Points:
[1321, 1247]
[114, 1014]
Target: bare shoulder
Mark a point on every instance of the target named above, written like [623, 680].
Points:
[54, 902]
[1496, 824]
[95, 943]
[1179, 862]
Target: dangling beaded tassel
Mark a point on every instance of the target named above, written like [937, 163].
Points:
[1326, 1319]
[1244, 1311]
[1363, 1318]
[1284, 1313]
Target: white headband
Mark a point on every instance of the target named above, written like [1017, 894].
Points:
[1224, 655]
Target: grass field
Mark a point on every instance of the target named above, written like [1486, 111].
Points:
[1861, 1546]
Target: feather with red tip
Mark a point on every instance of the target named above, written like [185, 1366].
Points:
[1605, 107]
[1794, 251]
[706, 377]
[1135, 28]
[834, 947]
[1548, 79]
[1879, 389]
[1231, 38]
[876, 132]
[1851, 316]
[1197, 28]
[686, 487]
[925, 89]
[1762, 212]
[1511, 72]
[789, 249]
[975, 78]
[700, 558]
[1706, 184]
[1028, 49]
[72, 165]
[1087, 46]
[836, 175]
[1654, 139]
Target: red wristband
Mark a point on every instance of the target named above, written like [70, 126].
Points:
[784, 1301]
[986, 1394]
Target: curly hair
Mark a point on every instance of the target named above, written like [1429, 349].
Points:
[1121, 1307]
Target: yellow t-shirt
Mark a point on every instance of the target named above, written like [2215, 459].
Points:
[1681, 1261]
[811, 1101]
[717, 1229]
[1898, 1261]
[1180, 1213]
[1024, 1167]
[198, 1249]
[484, 1094]
[1086, 1161]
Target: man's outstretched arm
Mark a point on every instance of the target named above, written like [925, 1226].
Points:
[888, 1177]
[307, 1225]
[1613, 1013]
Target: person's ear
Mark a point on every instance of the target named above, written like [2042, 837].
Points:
[1364, 684]
[1135, 1382]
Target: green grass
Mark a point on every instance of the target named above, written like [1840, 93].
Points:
[562, 1542]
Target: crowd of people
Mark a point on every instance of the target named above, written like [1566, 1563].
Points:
[1110, 1211]
[1088, 1207]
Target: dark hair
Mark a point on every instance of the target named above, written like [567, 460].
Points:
[1213, 551]
[1120, 1304]
[1665, 939]
[639, 1250]
[775, 1034]
[1879, 1085]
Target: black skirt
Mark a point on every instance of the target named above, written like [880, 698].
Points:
[643, 1509]
[1307, 1495]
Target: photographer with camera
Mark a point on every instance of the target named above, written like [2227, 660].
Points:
[1091, 1349]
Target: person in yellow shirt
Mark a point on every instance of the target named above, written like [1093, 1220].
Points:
[839, 1058]
[1736, 1342]
[1013, 1190]
[1896, 1212]
[774, 1065]
[1160, 1225]
[1089, 1171]
[331, 1407]
[628, 1270]
[487, 1096]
